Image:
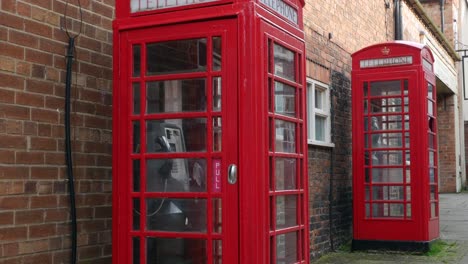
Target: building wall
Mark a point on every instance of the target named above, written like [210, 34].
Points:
[34, 203]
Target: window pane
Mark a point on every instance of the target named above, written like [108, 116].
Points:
[387, 157]
[136, 214]
[286, 248]
[136, 98]
[387, 193]
[285, 99]
[387, 175]
[284, 62]
[285, 174]
[176, 175]
[136, 250]
[319, 98]
[175, 250]
[217, 252]
[285, 136]
[216, 53]
[286, 206]
[385, 88]
[217, 91]
[136, 175]
[136, 60]
[176, 215]
[386, 140]
[176, 135]
[320, 128]
[176, 96]
[217, 134]
[136, 136]
[217, 215]
[188, 55]
[387, 210]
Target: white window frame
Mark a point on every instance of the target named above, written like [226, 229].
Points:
[312, 112]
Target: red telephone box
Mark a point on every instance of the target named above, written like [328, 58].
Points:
[209, 158]
[394, 147]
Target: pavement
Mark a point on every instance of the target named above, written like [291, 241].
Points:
[453, 242]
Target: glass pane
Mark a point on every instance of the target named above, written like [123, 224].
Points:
[365, 88]
[434, 210]
[136, 214]
[387, 210]
[217, 252]
[286, 206]
[386, 140]
[216, 53]
[136, 60]
[407, 140]
[285, 172]
[367, 210]
[367, 175]
[136, 250]
[431, 140]
[430, 107]
[176, 96]
[177, 215]
[176, 175]
[176, 135]
[136, 136]
[387, 175]
[285, 136]
[319, 98]
[433, 192]
[136, 175]
[175, 250]
[407, 122]
[387, 193]
[286, 248]
[432, 175]
[217, 134]
[408, 193]
[387, 157]
[320, 127]
[408, 211]
[217, 91]
[430, 89]
[217, 215]
[431, 158]
[367, 191]
[136, 98]
[285, 99]
[385, 88]
[284, 62]
[188, 55]
[386, 105]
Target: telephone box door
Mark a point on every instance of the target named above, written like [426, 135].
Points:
[177, 158]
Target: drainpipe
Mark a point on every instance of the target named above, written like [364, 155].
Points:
[442, 16]
[398, 20]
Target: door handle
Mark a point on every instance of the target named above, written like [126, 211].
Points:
[232, 174]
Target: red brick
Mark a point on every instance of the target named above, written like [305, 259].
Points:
[24, 9]
[7, 96]
[15, 112]
[38, 71]
[37, 258]
[9, 250]
[11, 21]
[102, 9]
[15, 172]
[47, 144]
[9, 141]
[29, 128]
[6, 218]
[10, 188]
[29, 217]
[44, 173]
[43, 115]
[51, 46]
[48, 201]
[3, 33]
[45, 16]
[9, 5]
[13, 202]
[29, 99]
[11, 81]
[7, 64]
[24, 39]
[54, 102]
[14, 127]
[29, 157]
[39, 57]
[13, 233]
[33, 246]
[42, 231]
[23, 68]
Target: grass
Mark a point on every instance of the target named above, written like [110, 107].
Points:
[443, 251]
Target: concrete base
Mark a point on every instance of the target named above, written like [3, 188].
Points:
[409, 246]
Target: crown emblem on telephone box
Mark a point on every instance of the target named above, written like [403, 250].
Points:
[385, 51]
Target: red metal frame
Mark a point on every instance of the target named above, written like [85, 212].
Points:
[403, 112]
[249, 26]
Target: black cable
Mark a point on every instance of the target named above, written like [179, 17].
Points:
[68, 150]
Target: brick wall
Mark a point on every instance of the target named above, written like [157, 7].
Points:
[34, 204]
[446, 143]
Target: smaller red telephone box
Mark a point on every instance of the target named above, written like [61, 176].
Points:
[395, 190]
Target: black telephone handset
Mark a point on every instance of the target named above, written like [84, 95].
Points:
[166, 168]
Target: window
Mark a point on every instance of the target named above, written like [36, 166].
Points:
[318, 107]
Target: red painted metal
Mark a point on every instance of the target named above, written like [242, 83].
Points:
[249, 228]
[394, 134]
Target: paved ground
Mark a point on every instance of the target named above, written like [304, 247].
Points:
[454, 240]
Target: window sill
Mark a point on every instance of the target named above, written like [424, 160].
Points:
[320, 143]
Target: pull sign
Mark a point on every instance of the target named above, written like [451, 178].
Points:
[232, 174]
[216, 175]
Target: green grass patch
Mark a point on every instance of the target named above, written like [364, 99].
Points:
[442, 250]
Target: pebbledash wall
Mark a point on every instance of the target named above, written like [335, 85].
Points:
[34, 206]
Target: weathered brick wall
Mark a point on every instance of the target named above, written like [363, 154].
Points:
[34, 204]
[353, 25]
[446, 143]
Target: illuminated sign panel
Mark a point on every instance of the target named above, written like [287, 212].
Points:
[146, 5]
[383, 62]
[284, 9]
